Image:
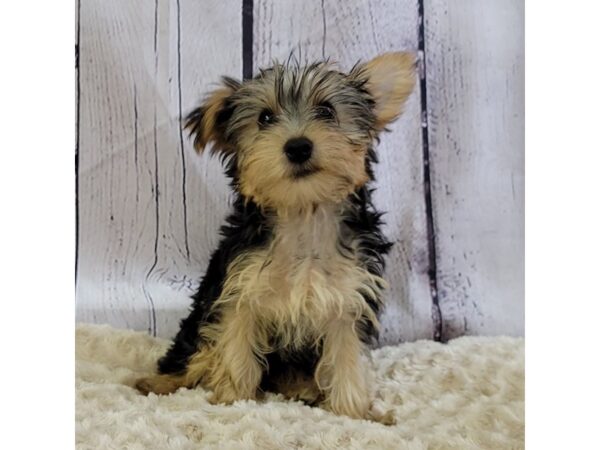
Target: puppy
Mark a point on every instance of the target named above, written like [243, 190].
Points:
[290, 298]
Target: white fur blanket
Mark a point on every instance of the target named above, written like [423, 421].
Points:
[467, 394]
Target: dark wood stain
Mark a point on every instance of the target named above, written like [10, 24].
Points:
[247, 35]
[152, 311]
[77, 119]
[324, 28]
[436, 312]
[181, 147]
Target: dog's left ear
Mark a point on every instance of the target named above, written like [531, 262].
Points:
[389, 78]
[207, 123]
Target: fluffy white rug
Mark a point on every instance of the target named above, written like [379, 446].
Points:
[467, 394]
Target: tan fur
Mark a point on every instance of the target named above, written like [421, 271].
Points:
[340, 167]
[341, 374]
[302, 288]
[208, 131]
[160, 384]
[391, 79]
[300, 283]
[339, 152]
[227, 365]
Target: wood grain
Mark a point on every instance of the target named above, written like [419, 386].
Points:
[116, 167]
[475, 86]
[347, 32]
[149, 208]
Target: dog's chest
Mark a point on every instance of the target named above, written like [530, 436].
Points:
[308, 257]
[308, 246]
[309, 274]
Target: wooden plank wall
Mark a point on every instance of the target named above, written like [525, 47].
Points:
[320, 29]
[475, 106]
[149, 208]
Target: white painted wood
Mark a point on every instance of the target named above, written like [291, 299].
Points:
[347, 32]
[475, 84]
[142, 247]
[116, 170]
[150, 209]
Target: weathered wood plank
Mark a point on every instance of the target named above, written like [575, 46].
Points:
[475, 84]
[205, 44]
[348, 32]
[149, 208]
[116, 167]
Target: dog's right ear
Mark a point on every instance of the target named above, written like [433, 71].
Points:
[208, 122]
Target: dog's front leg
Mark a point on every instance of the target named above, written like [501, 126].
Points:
[227, 362]
[235, 370]
[342, 371]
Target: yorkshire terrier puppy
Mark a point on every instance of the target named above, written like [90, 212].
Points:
[290, 298]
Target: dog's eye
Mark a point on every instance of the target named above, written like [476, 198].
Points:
[325, 111]
[266, 117]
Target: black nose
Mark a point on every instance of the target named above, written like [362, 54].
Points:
[298, 150]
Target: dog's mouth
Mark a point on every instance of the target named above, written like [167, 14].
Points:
[303, 171]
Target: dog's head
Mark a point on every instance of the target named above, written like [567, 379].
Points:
[299, 136]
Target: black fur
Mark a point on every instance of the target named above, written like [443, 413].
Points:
[250, 227]
[246, 228]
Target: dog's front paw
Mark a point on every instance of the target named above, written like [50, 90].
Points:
[227, 395]
[347, 402]
[159, 384]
